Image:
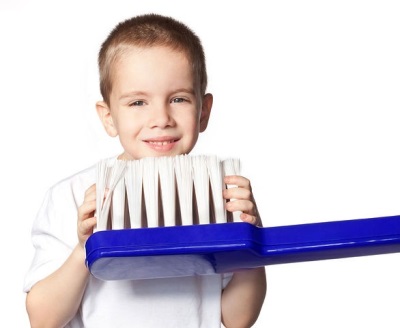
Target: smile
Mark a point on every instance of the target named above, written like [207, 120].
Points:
[161, 143]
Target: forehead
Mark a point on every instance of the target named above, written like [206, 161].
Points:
[152, 67]
[146, 63]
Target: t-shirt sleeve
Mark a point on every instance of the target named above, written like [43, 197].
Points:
[226, 278]
[53, 234]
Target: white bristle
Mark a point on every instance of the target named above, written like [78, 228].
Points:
[166, 191]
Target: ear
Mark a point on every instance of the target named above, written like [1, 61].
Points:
[205, 111]
[104, 113]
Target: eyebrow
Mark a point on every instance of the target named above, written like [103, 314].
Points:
[191, 91]
[142, 93]
[132, 94]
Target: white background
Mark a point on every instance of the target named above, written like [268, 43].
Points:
[306, 94]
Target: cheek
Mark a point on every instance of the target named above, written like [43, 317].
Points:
[191, 119]
[128, 124]
[191, 125]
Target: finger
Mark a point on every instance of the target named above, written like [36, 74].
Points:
[87, 225]
[249, 218]
[86, 210]
[237, 193]
[85, 229]
[245, 206]
[90, 193]
[238, 180]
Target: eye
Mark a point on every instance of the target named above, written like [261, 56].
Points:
[137, 103]
[178, 100]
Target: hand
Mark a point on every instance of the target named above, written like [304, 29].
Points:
[86, 218]
[241, 199]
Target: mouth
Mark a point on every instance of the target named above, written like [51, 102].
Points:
[162, 144]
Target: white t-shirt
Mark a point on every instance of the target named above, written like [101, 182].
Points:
[169, 302]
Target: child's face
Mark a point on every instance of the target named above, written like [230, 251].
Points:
[153, 106]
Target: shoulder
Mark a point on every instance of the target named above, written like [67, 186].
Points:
[75, 183]
[65, 196]
[61, 202]
[72, 188]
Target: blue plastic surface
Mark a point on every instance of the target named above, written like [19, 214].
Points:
[227, 247]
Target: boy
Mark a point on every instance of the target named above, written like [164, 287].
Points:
[153, 81]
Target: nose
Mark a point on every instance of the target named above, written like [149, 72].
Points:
[160, 116]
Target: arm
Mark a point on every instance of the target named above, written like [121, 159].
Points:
[53, 301]
[243, 297]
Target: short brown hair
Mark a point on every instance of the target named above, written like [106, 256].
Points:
[146, 31]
